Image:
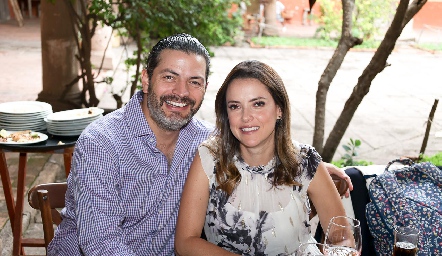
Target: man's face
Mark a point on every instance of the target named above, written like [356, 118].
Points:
[176, 89]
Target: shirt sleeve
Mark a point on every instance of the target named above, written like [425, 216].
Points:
[207, 162]
[98, 208]
[309, 160]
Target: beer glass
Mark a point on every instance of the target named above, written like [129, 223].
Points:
[405, 241]
[310, 249]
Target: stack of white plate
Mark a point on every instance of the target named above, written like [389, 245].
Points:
[72, 122]
[24, 115]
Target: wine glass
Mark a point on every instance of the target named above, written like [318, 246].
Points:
[310, 249]
[343, 237]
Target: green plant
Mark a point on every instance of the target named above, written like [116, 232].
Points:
[435, 159]
[209, 21]
[348, 158]
[146, 22]
[330, 19]
[271, 41]
[368, 18]
[430, 46]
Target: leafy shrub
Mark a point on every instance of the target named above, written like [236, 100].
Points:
[350, 152]
[368, 18]
[145, 22]
[434, 159]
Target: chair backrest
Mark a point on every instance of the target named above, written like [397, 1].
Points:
[48, 198]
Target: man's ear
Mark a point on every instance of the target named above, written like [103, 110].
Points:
[144, 80]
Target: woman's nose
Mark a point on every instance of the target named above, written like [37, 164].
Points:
[246, 116]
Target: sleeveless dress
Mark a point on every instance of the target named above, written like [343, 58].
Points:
[258, 219]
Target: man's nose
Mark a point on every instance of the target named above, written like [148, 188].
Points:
[181, 88]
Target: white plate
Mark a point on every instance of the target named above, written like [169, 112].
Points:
[24, 107]
[43, 137]
[72, 128]
[71, 133]
[19, 117]
[68, 123]
[18, 122]
[22, 128]
[75, 114]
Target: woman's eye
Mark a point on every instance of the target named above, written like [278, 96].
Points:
[233, 106]
[259, 103]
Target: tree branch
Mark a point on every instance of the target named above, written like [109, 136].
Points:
[376, 65]
[346, 42]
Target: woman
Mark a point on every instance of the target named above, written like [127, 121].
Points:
[249, 184]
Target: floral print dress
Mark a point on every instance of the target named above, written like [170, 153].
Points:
[258, 219]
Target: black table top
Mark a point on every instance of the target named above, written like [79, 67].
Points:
[52, 143]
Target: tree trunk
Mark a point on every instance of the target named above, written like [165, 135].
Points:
[138, 63]
[271, 24]
[403, 15]
[427, 131]
[58, 57]
[346, 42]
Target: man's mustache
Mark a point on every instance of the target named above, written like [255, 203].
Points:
[185, 100]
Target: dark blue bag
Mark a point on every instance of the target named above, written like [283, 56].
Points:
[411, 195]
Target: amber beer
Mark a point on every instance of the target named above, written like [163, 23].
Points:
[405, 241]
[404, 249]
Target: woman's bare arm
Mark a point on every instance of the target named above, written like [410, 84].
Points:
[325, 197]
[192, 214]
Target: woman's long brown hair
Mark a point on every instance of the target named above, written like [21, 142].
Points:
[226, 145]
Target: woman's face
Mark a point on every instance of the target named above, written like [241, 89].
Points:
[252, 113]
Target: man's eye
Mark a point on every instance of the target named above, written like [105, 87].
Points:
[168, 77]
[196, 84]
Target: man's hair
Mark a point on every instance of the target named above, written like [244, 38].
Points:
[180, 42]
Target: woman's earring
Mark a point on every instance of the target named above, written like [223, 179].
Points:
[278, 120]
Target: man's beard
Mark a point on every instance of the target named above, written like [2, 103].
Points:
[175, 121]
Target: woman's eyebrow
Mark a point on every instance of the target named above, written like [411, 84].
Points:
[257, 98]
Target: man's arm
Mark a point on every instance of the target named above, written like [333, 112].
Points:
[98, 209]
[332, 169]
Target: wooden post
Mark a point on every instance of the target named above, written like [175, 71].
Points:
[427, 132]
[58, 51]
[17, 12]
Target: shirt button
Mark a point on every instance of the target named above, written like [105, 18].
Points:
[160, 211]
[160, 226]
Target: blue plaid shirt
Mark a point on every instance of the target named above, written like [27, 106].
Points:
[122, 197]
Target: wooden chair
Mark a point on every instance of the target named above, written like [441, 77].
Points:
[48, 198]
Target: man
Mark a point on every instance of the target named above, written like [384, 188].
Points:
[279, 9]
[129, 167]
